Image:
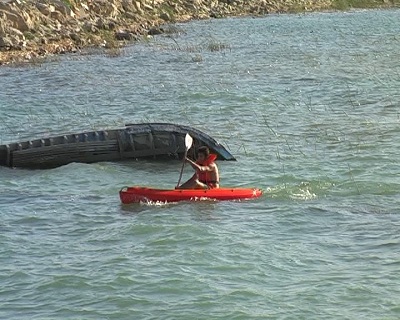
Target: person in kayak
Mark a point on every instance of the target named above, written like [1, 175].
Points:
[207, 174]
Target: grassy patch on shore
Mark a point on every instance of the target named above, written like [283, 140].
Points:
[296, 8]
[363, 4]
[67, 3]
[108, 38]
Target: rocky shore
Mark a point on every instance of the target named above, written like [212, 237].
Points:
[31, 29]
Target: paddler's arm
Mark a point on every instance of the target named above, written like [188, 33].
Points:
[195, 166]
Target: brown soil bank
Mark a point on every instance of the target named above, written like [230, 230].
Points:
[30, 29]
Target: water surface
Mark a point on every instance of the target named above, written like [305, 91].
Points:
[309, 104]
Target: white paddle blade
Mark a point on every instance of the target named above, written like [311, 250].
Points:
[188, 141]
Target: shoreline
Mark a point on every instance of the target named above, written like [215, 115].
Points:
[33, 30]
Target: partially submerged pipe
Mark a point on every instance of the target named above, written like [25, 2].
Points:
[154, 140]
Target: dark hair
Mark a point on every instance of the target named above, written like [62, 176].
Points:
[204, 150]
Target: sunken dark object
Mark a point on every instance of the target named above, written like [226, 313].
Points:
[149, 140]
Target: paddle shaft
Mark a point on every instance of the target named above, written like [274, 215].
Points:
[183, 166]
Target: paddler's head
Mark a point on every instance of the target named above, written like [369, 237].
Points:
[202, 153]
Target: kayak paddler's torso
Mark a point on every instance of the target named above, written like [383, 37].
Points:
[210, 178]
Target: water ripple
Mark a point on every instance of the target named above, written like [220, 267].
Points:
[312, 118]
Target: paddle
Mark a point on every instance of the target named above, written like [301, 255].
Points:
[188, 144]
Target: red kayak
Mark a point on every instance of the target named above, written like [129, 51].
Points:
[142, 194]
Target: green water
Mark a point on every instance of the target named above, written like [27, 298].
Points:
[309, 104]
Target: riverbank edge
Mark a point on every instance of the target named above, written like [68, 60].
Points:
[31, 31]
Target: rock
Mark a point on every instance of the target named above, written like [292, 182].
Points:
[75, 37]
[43, 8]
[89, 27]
[101, 24]
[216, 14]
[127, 5]
[155, 30]
[4, 6]
[55, 26]
[185, 17]
[11, 42]
[84, 6]
[95, 40]
[20, 21]
[41, 51]
[112, 24]
[124, 35]
[106, 24]
[43, 30]
[57, 15]
[165, 16]
[134, 28]
[16, 32]
[104, 8]
[21, 45]
[147, 6]
[61, 7]
[138, 7]
[203, 16]
[54, 39]
[132, 16]
[5, 43]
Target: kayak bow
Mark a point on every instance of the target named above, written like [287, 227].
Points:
[143, 194]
